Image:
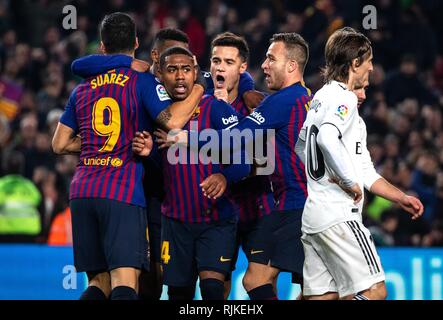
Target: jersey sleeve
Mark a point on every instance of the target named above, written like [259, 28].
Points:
[153, 94]
[68, 117]
[246, 83]
[209, 82]
[370, 175]
[341, 113]
[265, 115]
[99, 63]
[262, 118]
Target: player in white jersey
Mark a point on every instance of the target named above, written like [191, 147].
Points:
[340, 257]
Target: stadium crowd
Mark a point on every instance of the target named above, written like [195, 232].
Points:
[403, 109]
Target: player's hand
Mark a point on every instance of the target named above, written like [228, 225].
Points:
[167, 139]
[252, 99]
[214, 186]
[140, 65]
[412, 205]
[354, 192]
[142, 143]
[221, 92]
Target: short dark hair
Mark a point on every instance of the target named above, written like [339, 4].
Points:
[343, 46]
[170, 34]
[298, 48]
[118, 32]
[174, 50]
[229, 39]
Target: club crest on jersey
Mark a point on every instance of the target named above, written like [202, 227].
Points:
[315, 105]
[342, 112]
[162, 93]
[196, 113]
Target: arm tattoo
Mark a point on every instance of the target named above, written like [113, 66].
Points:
[164, 117]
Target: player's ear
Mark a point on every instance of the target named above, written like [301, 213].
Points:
[195, 73]
[243, 67]
[102, 47]
[136, 43]
[292, 66]
[356, 63]
[160, 75]
[154, 55]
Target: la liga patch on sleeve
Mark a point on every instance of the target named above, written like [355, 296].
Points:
[162, 93]
[342, 112]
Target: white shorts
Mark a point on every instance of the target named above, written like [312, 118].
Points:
[340, 259]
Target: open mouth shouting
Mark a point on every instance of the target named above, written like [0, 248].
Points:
[180, 88]
[220, 81]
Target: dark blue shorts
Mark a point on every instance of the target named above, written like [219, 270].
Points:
[108, 234]
[275, 238]
[189, 248]
[243, 238]
[154, 228]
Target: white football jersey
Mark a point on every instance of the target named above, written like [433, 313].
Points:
[327, 204]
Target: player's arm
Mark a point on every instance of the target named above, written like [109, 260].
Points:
[376, 184]
[215, 185]
[336, 158]
[91, 65]
[411, 204]
[167, 114]
[180, 112]
[251, 97]
[177, 114]
[300, 146]
[256, 123]
[66, 139]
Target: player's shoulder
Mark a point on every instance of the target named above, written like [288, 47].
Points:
[146, 77]
[207, 100]
[147, 81]
[82, 86]
[335, 92]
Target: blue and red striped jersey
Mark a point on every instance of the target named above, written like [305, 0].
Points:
[284, 111]
[184, 200]
[252, 195]
[106, 110]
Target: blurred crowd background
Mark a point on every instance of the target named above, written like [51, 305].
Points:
[403, 110]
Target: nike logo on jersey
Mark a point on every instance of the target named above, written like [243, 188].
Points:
[222, 259]
[256, 251]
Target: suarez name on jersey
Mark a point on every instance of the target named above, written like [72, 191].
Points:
[106, 110]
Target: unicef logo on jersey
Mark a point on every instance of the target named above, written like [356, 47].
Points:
[342, 112]
[103, 162]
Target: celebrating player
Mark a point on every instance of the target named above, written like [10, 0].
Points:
[100, 121]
